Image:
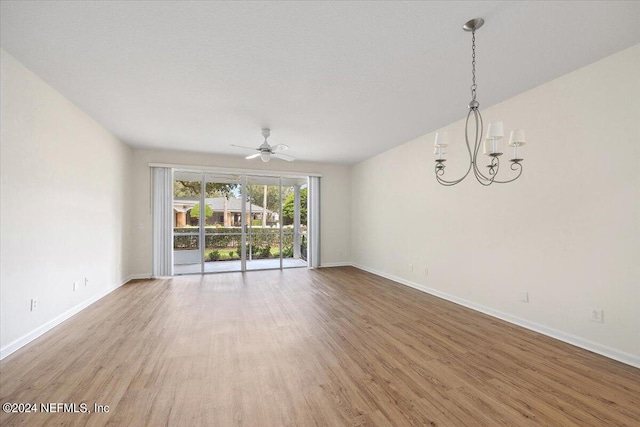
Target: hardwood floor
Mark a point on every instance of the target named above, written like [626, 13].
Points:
[301, 347]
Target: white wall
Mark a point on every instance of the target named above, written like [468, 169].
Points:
[335, 203]
[567, 232]
[64, 202]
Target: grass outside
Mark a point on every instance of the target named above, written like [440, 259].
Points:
[231, 253]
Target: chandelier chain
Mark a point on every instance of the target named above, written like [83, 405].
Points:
[473, 65]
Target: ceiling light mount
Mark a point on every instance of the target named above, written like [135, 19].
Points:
[473, 24]
[495, 133]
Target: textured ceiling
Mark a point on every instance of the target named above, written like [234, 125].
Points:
[337, 81]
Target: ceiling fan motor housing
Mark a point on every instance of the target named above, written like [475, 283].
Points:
[266, 151]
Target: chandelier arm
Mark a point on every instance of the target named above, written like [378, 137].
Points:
[494, 166]
[515, 166]
[476, 143]
[440, 171]
[445, 182]
[480, 177]
[483, 182]
[466, 136]
[466, 140]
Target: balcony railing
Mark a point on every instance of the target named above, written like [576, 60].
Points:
[188, 238]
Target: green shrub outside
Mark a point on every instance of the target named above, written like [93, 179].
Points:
[264, 242]
[229, 237]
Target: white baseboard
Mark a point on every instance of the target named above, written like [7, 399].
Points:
[26, 339]
[138, 276]
[603, 350]
[336, 264]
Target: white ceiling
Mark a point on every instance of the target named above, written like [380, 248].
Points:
[337, 81]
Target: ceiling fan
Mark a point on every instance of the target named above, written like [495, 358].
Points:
[266, 151]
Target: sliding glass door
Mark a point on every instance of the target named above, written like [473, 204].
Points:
[223, 228]
[187, 248]
[294, 222]
[264, 231]
[230, 222]
[277, 230]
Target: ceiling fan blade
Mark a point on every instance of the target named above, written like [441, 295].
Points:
[281, 156]
[242, 146]
[253, 156]
[280, 147]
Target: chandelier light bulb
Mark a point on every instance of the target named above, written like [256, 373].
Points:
[487, 147]
[495, 131]
[516, 138]
[442, 139]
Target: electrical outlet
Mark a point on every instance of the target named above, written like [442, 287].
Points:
[597, 315]
[75, 286]
[426, 271]
[34, 304]
[86, 281]
[524, 296]
[410, 267]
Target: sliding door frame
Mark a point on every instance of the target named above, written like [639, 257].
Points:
[243, 196]
[243, 224]
[202, 219]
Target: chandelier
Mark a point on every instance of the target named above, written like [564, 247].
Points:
[495, 133]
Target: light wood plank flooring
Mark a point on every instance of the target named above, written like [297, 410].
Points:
[327, 347]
